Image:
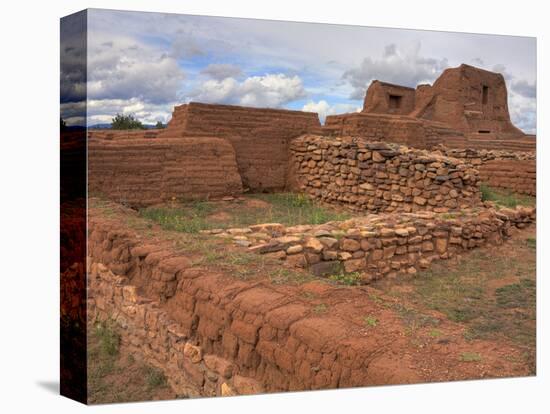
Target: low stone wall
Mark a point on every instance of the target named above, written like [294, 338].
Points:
[217, 335]
[141, 172]
[509, 170]
[379, 177]
[383, 245]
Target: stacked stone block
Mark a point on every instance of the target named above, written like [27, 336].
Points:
[379, 177]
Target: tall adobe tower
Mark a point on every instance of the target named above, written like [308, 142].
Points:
[468, 99]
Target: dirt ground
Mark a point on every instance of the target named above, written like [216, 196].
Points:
[115, 375]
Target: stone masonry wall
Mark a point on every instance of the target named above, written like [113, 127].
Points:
[379, 177]
[383, 245]
[141, 172]
[509, 170]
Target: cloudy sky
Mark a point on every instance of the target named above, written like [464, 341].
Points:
[145, 63]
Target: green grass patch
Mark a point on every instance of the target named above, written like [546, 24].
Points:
[470, 357]
[286, 208]
[505, 198]
[435, 333]
[517, 295]
[349, 279]
[154, 377]
[320, 308]
[370, 320]
[531, 242]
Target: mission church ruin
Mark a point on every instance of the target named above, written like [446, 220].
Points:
[412, 161]
[210, 150]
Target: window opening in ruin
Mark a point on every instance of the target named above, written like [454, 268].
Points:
[484, 131]
[395, 101]
[485, 94]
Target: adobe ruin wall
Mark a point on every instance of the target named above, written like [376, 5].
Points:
[386, 245]
[508, 170]
[142, 172]
[216, 335]
[378, 177]
[260, 136]
[212, 334]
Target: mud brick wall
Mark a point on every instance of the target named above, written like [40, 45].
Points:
[519, 176]
[115, 134]
[378, 177]
[142, 172]
[509, 170]
[386, 245]
[260, 136]
[216, 335]
[403, 130]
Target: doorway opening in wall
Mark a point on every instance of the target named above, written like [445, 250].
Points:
[485, 94]
[395, 101]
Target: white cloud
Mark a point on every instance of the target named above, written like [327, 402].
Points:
[323, 108]
[101, 111]
[524, 88]
[401, 66]
[123, 68]
[523, 112]
[272, 90]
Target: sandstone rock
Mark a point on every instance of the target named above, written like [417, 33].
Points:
[329, 242]
[297, 248]
[330, 255]
[354, 265]
[192, 352]
[441, 245]
[313, 244]
[297, 260]
[378, 157]
[419, 200]
[427, 246]
[226, 390]
[344, 255]
[350, 245]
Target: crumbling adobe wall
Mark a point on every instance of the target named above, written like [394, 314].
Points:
[514, 171]
[378, 99]
[377, 177]
[385, 245]
[465, 107]
[116, 134]
[260, 136]
[141, 172]
[403, 130]
[216, 335]
[470, 99]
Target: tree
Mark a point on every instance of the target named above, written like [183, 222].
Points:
[160, 125]
[63, 125]
[126, 122]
